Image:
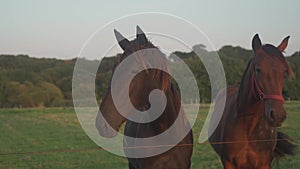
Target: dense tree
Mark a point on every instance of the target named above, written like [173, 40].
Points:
[32, 82]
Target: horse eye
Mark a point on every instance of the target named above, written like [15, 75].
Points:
[257, 70]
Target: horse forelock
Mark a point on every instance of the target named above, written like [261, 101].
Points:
[160, 61]
[275, 53]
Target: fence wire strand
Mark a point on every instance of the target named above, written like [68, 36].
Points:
[134, 147]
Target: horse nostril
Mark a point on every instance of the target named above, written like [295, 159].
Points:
[272, 115]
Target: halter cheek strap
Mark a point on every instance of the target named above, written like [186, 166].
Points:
[259, 93]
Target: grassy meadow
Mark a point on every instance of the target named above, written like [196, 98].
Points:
[53, 138]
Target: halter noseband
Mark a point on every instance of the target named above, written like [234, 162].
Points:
[259, 93]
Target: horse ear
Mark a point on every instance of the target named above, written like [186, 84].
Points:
[256, 43]
[283, 44]
[140, 35]
[123, 42]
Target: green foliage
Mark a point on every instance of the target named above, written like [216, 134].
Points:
[292, 86]
[235, 60]
[32, 82]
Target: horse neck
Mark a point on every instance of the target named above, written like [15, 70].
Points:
[249, 109]
[246, 99]
[171, 111]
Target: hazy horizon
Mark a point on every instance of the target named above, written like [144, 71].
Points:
[59, 29]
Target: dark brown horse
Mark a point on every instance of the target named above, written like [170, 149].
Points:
[140, 88]
[247, 135]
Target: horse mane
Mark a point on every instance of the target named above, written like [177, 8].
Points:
[159, 59]
[241, 87]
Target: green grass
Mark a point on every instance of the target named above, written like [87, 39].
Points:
[46, 130]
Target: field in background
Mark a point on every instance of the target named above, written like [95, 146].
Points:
[53, 138]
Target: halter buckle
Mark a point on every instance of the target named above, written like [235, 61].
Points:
[261, 96]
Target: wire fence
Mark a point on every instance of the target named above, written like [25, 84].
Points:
[134, 147]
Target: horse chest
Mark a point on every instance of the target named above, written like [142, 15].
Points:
[251, 157]
[250, 151]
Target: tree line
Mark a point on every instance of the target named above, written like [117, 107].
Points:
[34, 82]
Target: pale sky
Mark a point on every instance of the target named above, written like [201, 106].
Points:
[59, 28]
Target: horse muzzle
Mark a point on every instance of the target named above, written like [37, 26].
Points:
[276, 118]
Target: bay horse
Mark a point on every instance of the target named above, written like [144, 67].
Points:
[247, 135]
[140, 87]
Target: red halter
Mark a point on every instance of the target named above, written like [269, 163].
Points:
[259, 93]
